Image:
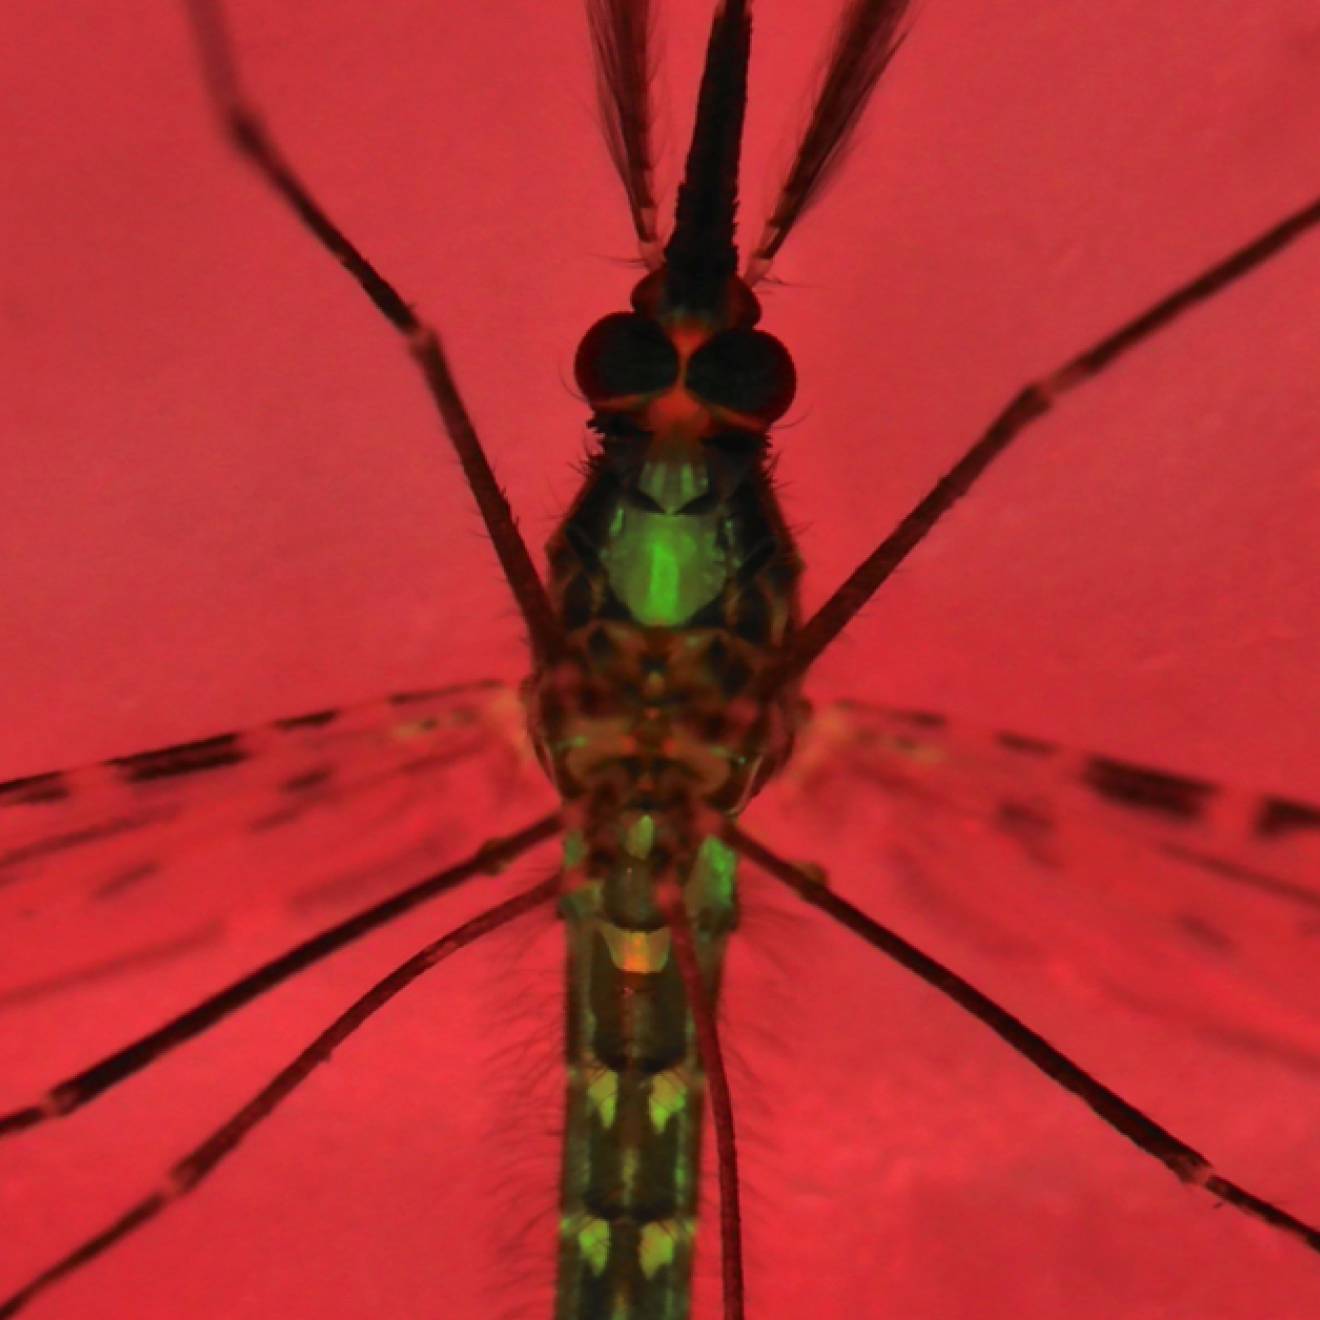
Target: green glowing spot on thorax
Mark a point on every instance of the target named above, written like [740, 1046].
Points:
[665, 567]
[671, 482]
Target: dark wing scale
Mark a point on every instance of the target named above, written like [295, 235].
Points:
[247, 838]
[621, 43]
[866, 39]
[1174, 896]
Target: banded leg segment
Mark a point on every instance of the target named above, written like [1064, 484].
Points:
[1030, 403]
[249, 137]
[80, 1089]
[186, 1174]
[1186, 1163]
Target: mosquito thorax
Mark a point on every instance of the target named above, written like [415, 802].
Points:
[673, 575]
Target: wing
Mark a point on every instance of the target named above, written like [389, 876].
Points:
[224, 851]
[133, 889]
[1160, 931]
[1170, 895]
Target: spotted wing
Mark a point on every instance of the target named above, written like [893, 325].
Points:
[247, 840]
[1170, 895]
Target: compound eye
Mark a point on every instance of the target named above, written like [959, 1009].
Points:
[746, 371]
[624, 354]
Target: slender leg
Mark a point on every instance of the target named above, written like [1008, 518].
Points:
[717, 1085]
[83, 1087]
[1031, 402]
[248, 135]
[188, 1172]
[1189, 1165]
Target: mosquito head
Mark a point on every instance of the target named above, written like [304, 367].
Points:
[685, 376]
[684, 387]
[682, 406]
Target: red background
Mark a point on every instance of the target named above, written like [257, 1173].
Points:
[228, 500]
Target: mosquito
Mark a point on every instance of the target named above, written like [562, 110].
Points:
[994, 774]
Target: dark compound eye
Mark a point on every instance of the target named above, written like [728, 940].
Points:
[747, 371]
[623, 354]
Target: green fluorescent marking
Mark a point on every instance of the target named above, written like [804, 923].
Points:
[717, 866]
[575, 849]
[593, 1240]
[668, 1097]
[657, 1248]
[661, 598]
[672, 485]
[639, 837]
[665, 567]
[603, 1095]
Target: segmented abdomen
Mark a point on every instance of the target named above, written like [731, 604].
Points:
[635, 1088]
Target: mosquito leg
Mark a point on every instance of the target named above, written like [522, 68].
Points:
[188, 1172]
[248, 135]
[717, 1085]
[83, 1087]
[1031, 402]
[1189, 1165]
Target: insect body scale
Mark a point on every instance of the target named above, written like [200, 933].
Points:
[1013, 290]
